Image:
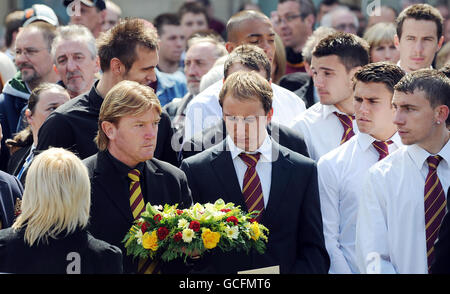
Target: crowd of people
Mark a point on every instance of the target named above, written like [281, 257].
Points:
[333, 125]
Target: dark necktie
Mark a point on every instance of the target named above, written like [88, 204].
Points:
[251, 188]
[346, 121]
[382, 147]
[435, 203]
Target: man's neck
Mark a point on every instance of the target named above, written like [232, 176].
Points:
[168, 66]
[346, 106]
[105, 84]
[437, 142]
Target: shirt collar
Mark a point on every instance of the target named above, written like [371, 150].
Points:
[265, 149]
[366, 140]
[420, 155]
[122, 168]
[329, 109]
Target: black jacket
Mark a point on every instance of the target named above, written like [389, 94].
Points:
[59, 256]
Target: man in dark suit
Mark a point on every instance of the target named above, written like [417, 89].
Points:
[127, 137]
[279, 183]
[127, 52]
[10, 192]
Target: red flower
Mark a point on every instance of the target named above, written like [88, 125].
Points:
[225, 210]
[157, 218]
[233, 219]
[178, 236]
[144, 227]
[252, 220]
[179, 212]
[162, 233]
[195, 226]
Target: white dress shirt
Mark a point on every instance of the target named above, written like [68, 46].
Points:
[204, 110]
[263, 167]
[321, 129]
[391, 217]
[340, 174]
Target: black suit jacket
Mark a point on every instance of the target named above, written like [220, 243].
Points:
[111, 216]
[441, 264]
[10, 190]
[217, 133]
[292, 215]
[94, 256]
[306, 92]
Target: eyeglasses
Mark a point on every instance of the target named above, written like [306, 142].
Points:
[29, 52]
[287, 19]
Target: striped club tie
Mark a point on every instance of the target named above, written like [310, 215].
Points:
[435, 203]
[145, 266]
[347, 123]
[252, 189]
[382, 147]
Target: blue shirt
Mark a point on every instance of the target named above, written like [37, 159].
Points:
[170, 86]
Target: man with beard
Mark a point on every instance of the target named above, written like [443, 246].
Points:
[35, 65]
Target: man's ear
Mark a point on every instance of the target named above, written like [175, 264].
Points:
[230, 46]
[109, 129]
[441, 41]
[116, 66]
[28, 116]
[269, 116]
[441, 114]
[397, 42]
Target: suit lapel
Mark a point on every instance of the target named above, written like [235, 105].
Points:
[281, 172]
[104, 176]
[223, 167]
[155, 191]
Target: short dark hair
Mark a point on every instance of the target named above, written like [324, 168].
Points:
[420, 12]
[250, 56]
[351, 50]
[13, 22]
[165, 19]
[306, 7]
[431, 81]
[122, 40]
[237, 19]
[379, 72]
[194, 8]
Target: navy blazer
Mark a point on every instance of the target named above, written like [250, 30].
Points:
[10, 190]
[292, 215]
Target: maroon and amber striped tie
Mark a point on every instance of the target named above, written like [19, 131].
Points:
[382, 147]
[251, 187]
[145, 266]
[435, 203]
[347, 123]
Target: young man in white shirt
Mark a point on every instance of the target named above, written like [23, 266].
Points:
[329, 123]
[404, 197]
[340, 170]
[419, 36]
[245, 27]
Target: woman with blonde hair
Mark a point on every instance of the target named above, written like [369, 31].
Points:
[50, 236]
[381, 41]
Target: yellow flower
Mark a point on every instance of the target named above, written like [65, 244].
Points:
[150, 241]
[254, 231]
[210, 239]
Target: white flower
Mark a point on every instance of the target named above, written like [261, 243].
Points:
[188, 234]
[138, 237]
[233, 232]
[182, 223]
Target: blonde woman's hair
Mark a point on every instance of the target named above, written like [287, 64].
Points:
[379, 33]
[124, 99]
[279, 60]
[56, 198]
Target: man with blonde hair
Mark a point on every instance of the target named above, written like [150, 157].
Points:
[126, 139]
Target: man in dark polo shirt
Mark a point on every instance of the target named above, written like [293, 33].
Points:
[129, 51]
